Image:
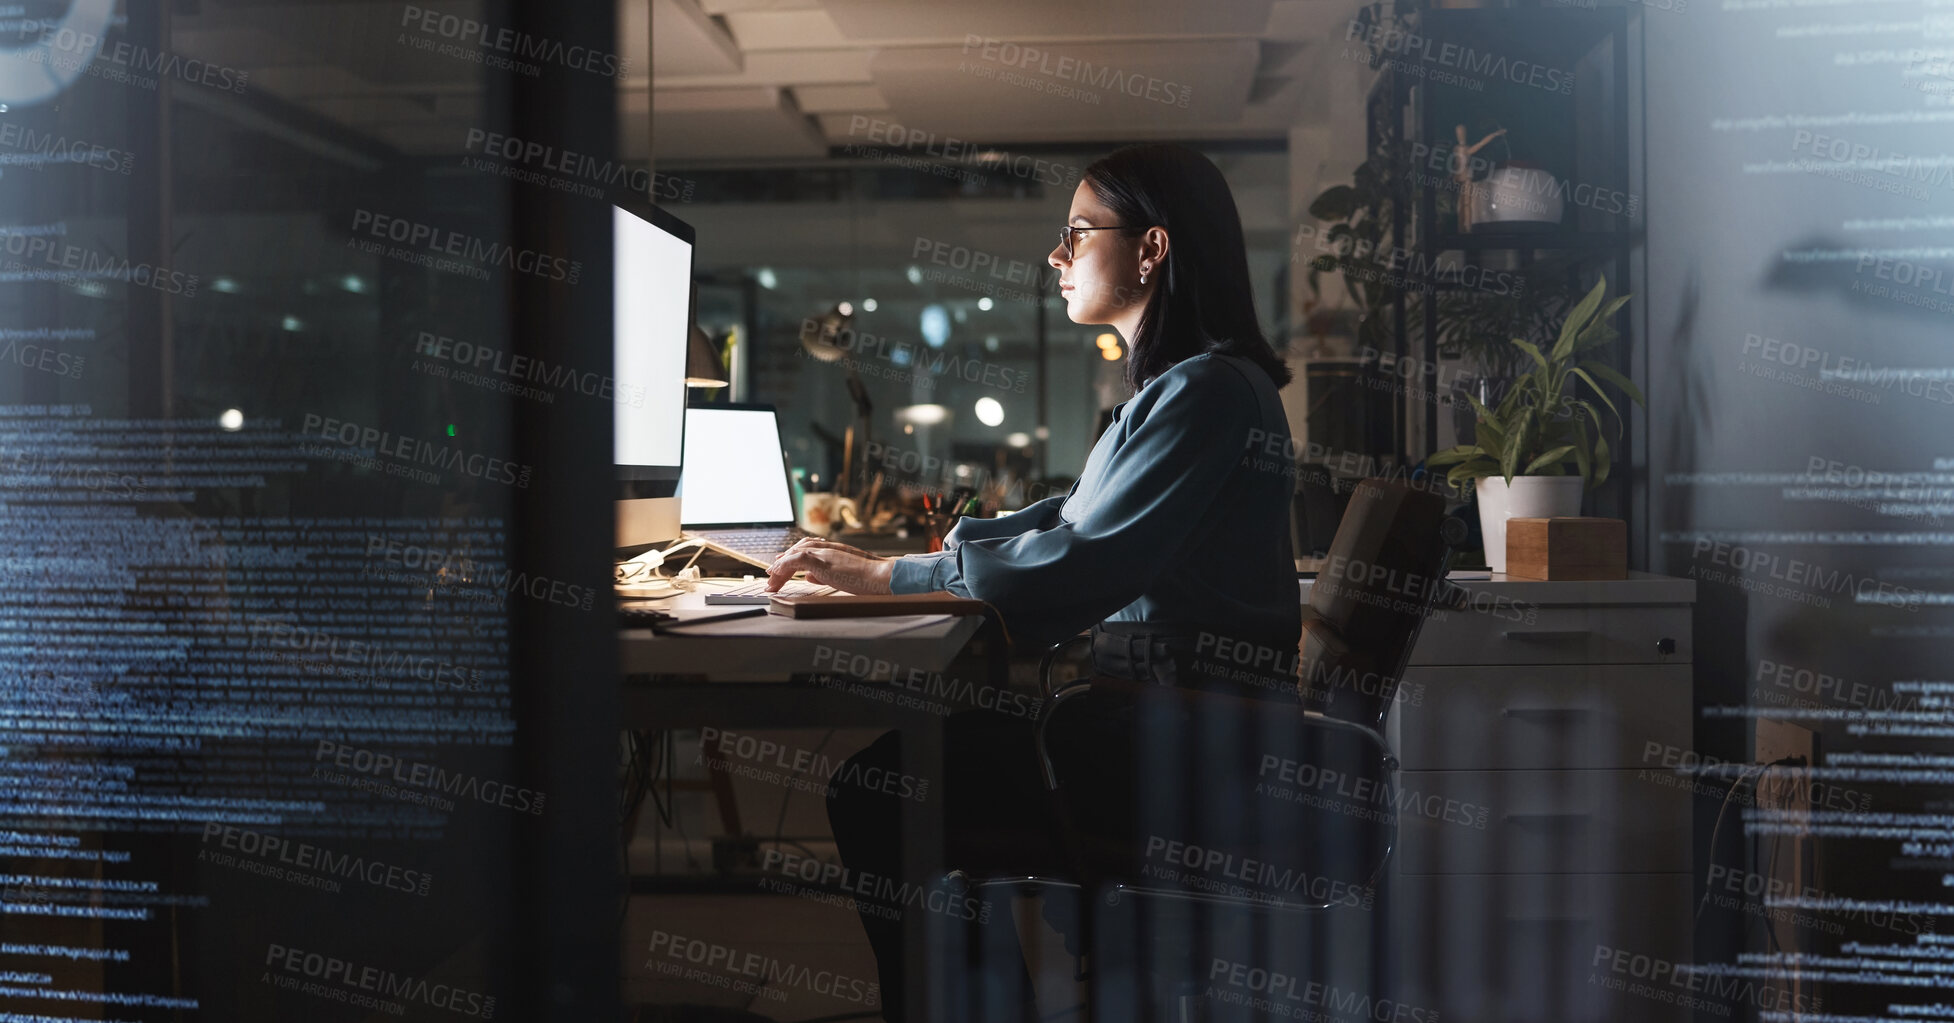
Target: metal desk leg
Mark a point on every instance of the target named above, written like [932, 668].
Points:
[922, 859]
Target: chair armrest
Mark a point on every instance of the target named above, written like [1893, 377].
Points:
[1318, 719]
[1051, 658]
[1045, 768]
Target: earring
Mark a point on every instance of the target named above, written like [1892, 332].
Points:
[1145, 269]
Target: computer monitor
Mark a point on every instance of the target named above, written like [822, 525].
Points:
[652, 321]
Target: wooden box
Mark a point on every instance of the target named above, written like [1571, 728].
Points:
[1571, 548]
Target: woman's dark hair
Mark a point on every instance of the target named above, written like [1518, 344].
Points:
[1204, 302]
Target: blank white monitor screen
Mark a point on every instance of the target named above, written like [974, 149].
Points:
[653, 297]
[733, 473]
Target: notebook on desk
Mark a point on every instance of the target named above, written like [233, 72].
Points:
[876, 605]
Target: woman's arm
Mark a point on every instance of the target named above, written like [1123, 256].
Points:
[1155, 489]
[1039, 515]
[923, 573]
[830, 563]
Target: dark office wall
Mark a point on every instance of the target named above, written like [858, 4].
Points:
[306, 707]
[1799, 309]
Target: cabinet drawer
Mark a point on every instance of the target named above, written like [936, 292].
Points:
[1539, 716]
[1557, 634]
[1540, 821]
[1510, 949]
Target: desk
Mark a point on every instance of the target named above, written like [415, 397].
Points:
[749, 673]
[775, 648]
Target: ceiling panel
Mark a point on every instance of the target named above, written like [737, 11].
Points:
[1089, 90]
[711, 124]
[759, 80]
[1031, 19]
[829, 99]
[1310, 21]
[730, 6]
[808, 67]
[687, 41]
[759, 31]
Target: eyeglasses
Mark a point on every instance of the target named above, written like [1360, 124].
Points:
[1065, 234]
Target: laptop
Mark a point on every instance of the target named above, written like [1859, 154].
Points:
[734, 494]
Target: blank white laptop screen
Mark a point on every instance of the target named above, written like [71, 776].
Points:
[733, 474]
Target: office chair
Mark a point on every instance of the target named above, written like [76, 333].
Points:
[1206, 780]
[1384, 574]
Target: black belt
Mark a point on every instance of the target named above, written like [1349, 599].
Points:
[1197, 659]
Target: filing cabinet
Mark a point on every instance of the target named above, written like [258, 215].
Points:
[1537, 832]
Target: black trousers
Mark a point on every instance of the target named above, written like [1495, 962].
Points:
[996, 823]
[997, 814]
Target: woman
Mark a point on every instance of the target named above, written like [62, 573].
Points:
[1173, 546]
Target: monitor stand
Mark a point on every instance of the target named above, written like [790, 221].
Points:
[648, 520]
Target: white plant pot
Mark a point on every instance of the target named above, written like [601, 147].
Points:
[1529, 497]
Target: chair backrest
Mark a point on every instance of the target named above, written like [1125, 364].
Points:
[1384, 571]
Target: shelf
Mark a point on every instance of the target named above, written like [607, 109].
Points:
[1482, 241]
[1539, 32]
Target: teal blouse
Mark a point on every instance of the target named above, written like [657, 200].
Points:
[1180, 519]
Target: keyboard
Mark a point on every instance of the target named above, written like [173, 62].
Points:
[755, 546]
[756, 592]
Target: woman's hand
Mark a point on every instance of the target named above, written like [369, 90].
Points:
[828, 563]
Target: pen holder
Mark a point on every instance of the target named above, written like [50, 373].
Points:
[936, 527]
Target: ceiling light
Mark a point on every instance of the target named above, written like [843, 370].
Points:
[985, 303]
[922, 415]
[868, 305]
[935, 325]
[989, 411]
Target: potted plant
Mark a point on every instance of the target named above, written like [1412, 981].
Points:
[1357, 245]
[1477, 329]
[1525, 446]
